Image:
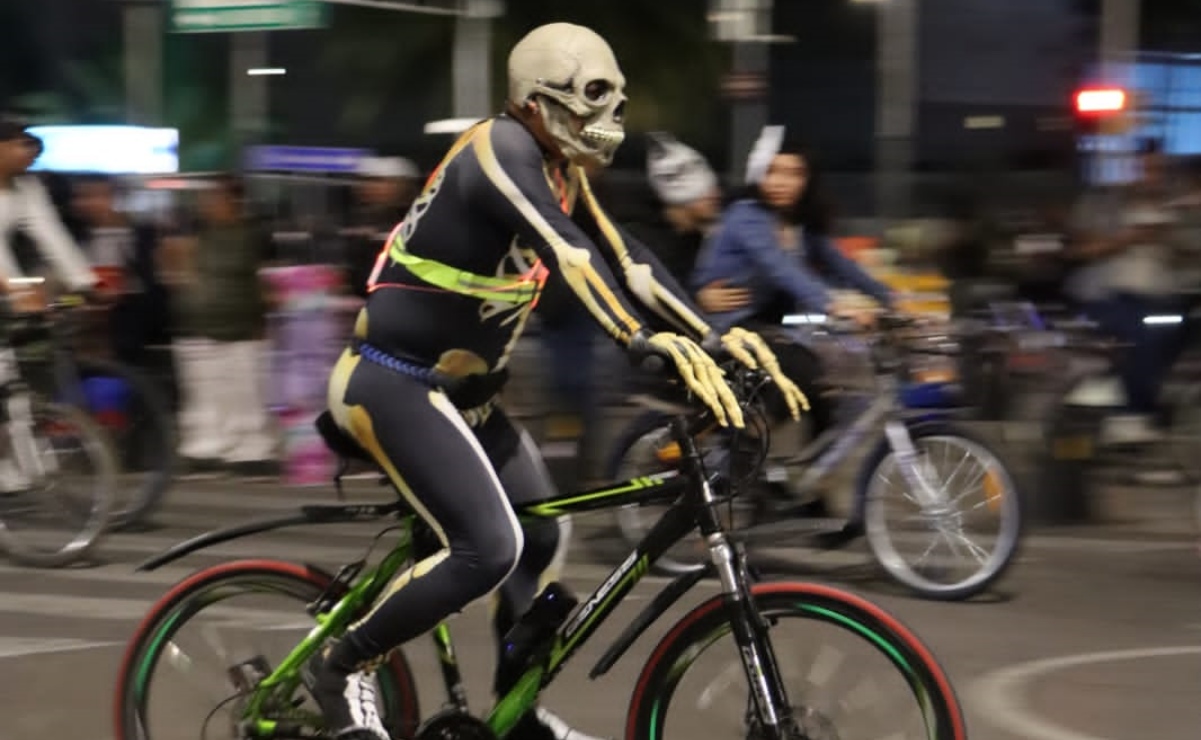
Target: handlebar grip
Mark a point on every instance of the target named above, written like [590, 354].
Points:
[894, 321]
[653, 363]
[646, 357]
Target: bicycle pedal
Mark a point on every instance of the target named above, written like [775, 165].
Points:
[247, 674]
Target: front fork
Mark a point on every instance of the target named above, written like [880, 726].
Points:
[750, 630]
[929, 494]
[18, 417]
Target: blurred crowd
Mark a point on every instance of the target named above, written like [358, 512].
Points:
[188, 300]
[1127, 256]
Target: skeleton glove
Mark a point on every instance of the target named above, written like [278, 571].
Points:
[750, 349]
[701, 374]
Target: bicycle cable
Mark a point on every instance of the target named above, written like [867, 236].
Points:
[204, 725]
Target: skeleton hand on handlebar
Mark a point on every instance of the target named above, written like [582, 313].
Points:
[697, 369]
[750, 349]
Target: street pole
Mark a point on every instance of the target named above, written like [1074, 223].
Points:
[472, 60]
[746, 26]
[750, 113]
[1119, 47]
[896, 105]
[248, 93]
[1119, 39]
[142, 31]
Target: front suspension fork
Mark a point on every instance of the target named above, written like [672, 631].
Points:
[751, 635]
[929, 494]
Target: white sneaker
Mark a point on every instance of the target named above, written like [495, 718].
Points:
[347, 700]
[12, 480]
[559, 729]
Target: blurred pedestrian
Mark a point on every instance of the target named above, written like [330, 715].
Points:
[31, 230]
[687, 204]
[1125, 240]
[124, 250]
[385, 189]
[220, 314]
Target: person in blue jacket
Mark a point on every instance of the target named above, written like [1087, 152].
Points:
[775, 243]
[773, 254]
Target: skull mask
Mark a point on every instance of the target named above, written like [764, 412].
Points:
[574, 75]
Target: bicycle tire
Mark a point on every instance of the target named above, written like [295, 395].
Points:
[400, 707]
[1184, 441]
[104, 464]
[1011, 501]
[698, 629]
[158, 428]
[625, 516]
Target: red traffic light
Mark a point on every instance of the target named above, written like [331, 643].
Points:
[1098, 101]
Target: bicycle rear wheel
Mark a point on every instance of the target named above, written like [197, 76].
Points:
[143, 433]
[909, 674]
[53, 512]
[268, 609]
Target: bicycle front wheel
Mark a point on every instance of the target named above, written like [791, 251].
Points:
[57, 483]
[962, 543]
[695, 686]
[179, 678]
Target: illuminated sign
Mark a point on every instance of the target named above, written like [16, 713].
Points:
[111, 150]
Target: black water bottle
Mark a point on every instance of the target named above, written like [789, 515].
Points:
[533, 631]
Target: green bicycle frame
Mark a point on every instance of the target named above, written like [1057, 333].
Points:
[675, 524]
[369, 585]
[286, 676]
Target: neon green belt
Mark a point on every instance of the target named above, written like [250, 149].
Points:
[516, 289]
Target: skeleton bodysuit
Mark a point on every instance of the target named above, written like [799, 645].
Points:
[449, 296]
[453, 288]
[450, 293]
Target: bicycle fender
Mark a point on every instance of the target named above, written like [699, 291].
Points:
[218, 536]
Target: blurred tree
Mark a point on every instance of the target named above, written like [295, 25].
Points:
[86, 85]
[22, 67]
[377, 57]
[664, 48]
[196, 100]
[93, 93]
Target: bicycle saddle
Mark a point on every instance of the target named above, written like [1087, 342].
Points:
[338, 441]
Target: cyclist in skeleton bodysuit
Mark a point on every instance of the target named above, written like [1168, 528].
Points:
[449, 296]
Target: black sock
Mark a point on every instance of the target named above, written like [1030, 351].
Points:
[351, 652]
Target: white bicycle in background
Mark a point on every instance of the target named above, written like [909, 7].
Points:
[58, 474]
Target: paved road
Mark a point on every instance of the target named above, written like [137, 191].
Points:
[1074, 594]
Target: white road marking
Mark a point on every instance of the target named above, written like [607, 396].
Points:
[1000, 695]
[20, 647]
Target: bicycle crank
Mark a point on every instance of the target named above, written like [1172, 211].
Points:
[453, 724]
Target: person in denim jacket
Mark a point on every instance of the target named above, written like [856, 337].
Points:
[772, 255]
[775, 244]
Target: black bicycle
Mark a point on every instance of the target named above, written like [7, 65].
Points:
[260, 694]
[127, 404]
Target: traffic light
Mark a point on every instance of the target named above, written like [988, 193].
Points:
[1102, 110]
